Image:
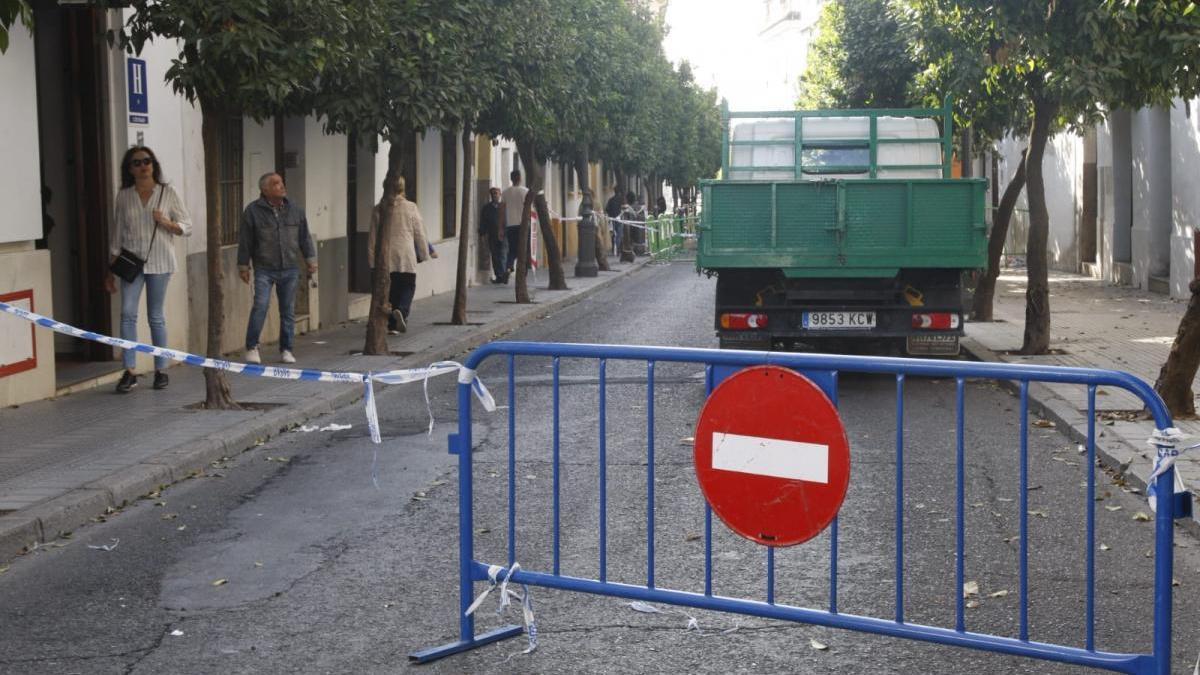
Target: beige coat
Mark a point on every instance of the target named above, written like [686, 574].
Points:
[408, 245]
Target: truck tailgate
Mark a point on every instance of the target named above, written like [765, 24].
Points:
[844, 228]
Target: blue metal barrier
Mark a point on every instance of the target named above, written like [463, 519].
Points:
[826, 368]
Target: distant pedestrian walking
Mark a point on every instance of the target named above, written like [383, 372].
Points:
[612, 209]
[406, 246]
[272, 240]
[148, 215]
[492, 230]
[514, 204]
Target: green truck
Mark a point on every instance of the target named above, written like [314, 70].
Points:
[834, 225]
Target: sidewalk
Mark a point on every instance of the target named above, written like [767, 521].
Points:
[65, 461]
[1093, 325]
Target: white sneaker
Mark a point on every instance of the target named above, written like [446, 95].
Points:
[252, 355]
[287, 357]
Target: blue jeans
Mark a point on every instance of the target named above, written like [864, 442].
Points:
[285, 289]
[131, 297]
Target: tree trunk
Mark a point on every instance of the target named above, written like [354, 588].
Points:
[985, 291]
[458, 316]
[537, 181]
[1174, 383]
[1037, 292]
[581, 168]
[522, 263]
[376, 340]
[217, 394]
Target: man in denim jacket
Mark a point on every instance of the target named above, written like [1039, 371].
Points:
[273, 236]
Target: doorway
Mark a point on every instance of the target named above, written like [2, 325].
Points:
[72, 130]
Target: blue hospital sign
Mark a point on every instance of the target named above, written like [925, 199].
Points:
[135, 82]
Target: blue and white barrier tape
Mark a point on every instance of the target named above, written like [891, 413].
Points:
[404, 376]
[1167, 443]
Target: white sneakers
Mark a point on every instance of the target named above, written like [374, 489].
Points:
[252, 356]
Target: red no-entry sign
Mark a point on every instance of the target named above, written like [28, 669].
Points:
[771, 456]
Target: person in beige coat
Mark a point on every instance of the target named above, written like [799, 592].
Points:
[406, 248]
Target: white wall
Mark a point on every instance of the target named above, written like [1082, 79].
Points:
[1062, 170]
[1185, 195]
[324, 181]
[1151, 133]
[20, 190]
[258, 155]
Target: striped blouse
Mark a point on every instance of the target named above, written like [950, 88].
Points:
[133, 226]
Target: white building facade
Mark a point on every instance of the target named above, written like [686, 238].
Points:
[73, 105]
[1137, 226]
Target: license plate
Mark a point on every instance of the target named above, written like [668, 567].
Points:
[933, 345]
[838, 320]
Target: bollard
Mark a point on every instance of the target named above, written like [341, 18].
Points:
[586, 265]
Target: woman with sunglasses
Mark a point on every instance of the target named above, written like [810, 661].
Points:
[148, 216]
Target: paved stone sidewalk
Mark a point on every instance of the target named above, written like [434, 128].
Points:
[1099, 326]
[65, 461]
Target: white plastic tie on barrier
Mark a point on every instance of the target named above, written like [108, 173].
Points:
[1167, 442]
[527, 615]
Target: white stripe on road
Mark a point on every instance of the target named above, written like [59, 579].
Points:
[770, 457]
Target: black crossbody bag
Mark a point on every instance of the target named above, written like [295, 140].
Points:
[127, 264]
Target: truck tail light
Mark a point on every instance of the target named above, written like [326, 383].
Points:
[743, 321]
[935, 321]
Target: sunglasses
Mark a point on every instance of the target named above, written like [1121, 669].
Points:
[141, 162]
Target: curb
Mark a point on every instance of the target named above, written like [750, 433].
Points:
[1112, 450]
[42, 523]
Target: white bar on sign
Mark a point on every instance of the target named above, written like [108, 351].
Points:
[771, 457]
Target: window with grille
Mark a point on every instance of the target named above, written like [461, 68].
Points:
[229, 182]
[449, 178]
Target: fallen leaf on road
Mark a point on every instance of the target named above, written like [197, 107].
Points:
[181, 528]
[177, 633]
[972, 604]
[690, 440]
[106, 547]
[1112, 508]
[160, 503]
[998, 594]
[283, 460]
[970, 588]
[693, 537]
[3, 568]
[258, 564]
[1038, 512]
[1142, 517]
[483, 530]
[977, 505]
[1105, 547]
[1045, 424]
[1004, 499]
[220, 582]
[819, 646]
[1175, 582]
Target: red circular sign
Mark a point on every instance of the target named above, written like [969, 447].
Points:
[771, 456]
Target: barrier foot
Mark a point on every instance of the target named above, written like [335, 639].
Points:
[435, 653]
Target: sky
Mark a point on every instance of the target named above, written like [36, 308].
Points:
[717, 38]
[720, 38]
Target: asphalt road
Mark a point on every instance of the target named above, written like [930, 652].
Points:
[288, 558]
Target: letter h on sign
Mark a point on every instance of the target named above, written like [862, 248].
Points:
[135, 83]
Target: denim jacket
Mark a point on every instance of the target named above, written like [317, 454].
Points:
[272, 238]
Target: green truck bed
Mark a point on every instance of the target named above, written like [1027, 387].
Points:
[843, 228]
